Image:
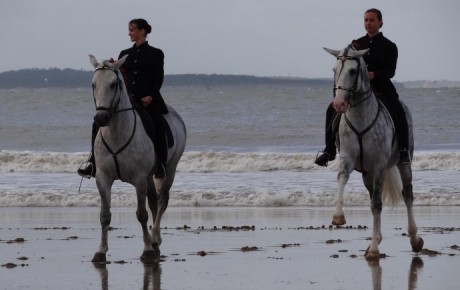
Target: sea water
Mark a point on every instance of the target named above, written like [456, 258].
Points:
[248, 145]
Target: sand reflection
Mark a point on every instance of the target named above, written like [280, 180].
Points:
[150, 281]
[416, 264]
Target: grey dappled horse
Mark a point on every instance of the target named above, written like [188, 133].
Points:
[368, 144]
[123, 150]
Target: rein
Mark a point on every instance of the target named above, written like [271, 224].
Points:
[113, 110]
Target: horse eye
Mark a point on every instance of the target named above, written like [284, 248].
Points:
[112, 86]
[353, 71]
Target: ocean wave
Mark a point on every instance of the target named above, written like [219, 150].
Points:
[211, 161]
[209, 199]
[259, 189]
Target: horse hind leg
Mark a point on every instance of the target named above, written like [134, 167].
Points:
[415, 240]
[149, 255]
[162, 185]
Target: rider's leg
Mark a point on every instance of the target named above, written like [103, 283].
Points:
[90, 169]
[161, 149]
[329, 152]
[402, 131]
[146, 121]
[398, 114]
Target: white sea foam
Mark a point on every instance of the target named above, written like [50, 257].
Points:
[211, 161]
[227, 179]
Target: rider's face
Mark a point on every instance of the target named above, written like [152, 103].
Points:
[134, 33]
[372, 23]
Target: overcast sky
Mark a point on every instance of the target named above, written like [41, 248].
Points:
[251, 37]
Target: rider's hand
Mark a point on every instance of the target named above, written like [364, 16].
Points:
[371, 75]
[146, 101]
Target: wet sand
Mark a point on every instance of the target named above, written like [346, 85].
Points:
[228, 248]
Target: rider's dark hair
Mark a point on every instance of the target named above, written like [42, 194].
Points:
[141, 24]
[377, 12]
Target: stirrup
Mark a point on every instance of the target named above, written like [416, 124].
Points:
[87, 172]
[324, 158]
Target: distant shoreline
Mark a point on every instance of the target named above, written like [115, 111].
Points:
[71, 78]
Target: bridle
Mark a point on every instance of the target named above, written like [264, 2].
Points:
[354, 88]
[114, 110]
[119, 88]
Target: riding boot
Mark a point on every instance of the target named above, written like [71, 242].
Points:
[403, 138]
[329, 153]
[402, 132]
[161, 149]
[390, 99]
[90, 169]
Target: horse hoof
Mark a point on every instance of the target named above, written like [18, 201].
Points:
[99, 258]
[372, 255]
[339, 220]
[418, 247]
[150, 257]
[156, 248]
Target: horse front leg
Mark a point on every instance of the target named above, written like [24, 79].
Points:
[343, 176]
[148, 255]
[105, 218]
[408, 195]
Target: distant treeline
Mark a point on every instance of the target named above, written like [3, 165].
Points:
[54, 77]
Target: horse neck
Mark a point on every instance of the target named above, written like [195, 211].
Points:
[122, 123]
[365, 107]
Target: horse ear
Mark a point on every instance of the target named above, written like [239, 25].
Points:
[120, 62]
[362, 52]
[332, 51]
[93, 60]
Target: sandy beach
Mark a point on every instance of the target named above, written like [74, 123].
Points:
[228, 248]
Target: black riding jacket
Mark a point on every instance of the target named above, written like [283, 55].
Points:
[143, 72]
[381, 59]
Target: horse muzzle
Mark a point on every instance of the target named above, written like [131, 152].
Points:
[340, 102]
[340, 106]
[102, 118]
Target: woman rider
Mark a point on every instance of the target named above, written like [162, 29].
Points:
[143, 73]
[381, 65]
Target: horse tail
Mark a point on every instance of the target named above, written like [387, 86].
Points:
[392, 187]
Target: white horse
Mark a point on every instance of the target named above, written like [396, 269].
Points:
[124, 151]
[368, 144]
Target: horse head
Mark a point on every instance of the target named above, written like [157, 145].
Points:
[351, 81]
[108, 88]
